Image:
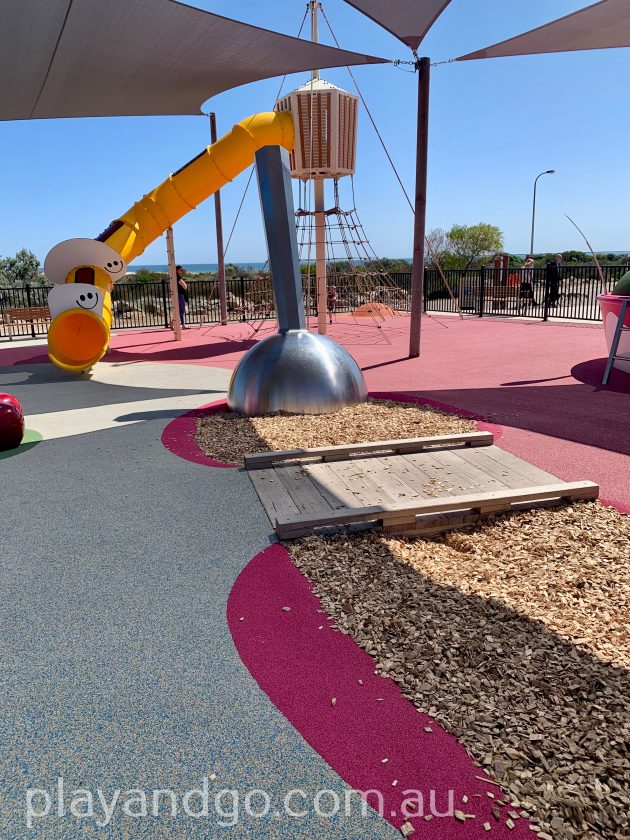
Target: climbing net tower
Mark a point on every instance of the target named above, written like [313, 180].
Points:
[355, 275]
[342, 271]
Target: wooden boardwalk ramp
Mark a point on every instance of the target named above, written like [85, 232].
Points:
[412, 486]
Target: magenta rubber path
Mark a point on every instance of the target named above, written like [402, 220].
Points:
[302, 668]
[179, 435]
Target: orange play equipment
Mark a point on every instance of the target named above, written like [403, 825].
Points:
[373, 309]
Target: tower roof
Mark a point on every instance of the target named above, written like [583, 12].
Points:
[317, 85]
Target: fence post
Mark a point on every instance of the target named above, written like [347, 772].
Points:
[29, 303]
[165, 304]
[424, 296]
[6, 299]
[546, 298]
[241, 286]
[482, 290]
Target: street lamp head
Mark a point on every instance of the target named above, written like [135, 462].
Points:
[550, 172]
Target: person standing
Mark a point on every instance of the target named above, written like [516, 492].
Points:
[331, 302]
[182, 295]
[527, 283]
[554, 277]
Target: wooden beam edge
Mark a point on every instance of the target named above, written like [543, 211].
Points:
[495, 501]
[254, 460]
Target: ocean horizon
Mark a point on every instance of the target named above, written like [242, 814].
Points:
[203, 268]
[194, 268]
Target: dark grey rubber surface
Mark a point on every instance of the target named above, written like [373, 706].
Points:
[118, 669]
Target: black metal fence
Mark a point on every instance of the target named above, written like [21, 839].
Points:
[482, 292]
[520, 292]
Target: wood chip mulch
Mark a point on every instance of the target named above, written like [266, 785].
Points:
[227, 436]
[515, 637]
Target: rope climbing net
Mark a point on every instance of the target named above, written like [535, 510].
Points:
[356, 279]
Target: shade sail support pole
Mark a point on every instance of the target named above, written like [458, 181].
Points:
[320, 198]
[219, 226]
[423, 66]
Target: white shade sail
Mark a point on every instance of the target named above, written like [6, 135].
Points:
[86, 58]
[600, 26]
[408, 20]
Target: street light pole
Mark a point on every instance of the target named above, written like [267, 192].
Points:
[546, 172]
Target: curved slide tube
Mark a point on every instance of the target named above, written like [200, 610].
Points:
[78, 338]
[78, 335]
[197, 180]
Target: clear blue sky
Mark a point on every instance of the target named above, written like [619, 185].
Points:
[495, 124]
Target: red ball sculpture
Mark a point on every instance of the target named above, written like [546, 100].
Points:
[11, 422]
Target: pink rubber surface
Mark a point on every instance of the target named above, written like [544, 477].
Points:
[540, 382]
[301, 668]
[179, 435]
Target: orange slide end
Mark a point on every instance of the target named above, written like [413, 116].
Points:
[77, 340]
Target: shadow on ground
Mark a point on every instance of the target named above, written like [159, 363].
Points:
[70, 391]
[182, 352]
[592, 415]
[226, 436]
[541, 714]
[31, 438]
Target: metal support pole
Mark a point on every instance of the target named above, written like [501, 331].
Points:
[320, 226]
[423, 67]
[314, 6]
[276, 199]
[219, 223]
[172, 276]
[320, 256]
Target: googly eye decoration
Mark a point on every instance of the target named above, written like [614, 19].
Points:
[77, 296]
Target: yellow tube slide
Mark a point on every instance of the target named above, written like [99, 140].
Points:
[77, 339]
[197, 180]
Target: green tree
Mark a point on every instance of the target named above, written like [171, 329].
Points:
[576, 256]
[21, 270]
[467, 245]
[143, 275]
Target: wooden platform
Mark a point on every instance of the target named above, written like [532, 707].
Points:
[415, 486]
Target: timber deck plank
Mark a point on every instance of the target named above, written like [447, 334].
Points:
[303, 492]
[412, 492]
[257, 460]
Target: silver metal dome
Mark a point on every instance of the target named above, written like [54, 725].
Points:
[298, 372]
